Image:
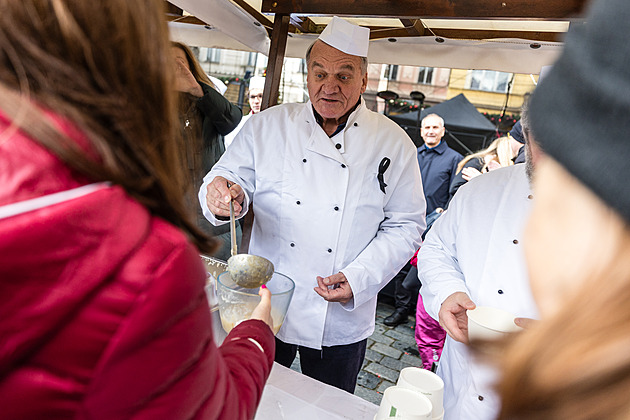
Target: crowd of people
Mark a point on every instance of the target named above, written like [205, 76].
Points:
[117, 175]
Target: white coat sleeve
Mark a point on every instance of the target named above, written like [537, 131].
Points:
[398, 236]
[236, 165]
[438, 267]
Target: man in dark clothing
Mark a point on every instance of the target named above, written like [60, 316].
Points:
[517, 134]
[438, 165]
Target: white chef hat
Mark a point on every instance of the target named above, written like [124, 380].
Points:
[346, 37]
[257, 82]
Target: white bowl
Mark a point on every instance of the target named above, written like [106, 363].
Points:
[488, 323]
[426, 383]
[401, 403]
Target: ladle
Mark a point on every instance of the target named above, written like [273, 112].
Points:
[249, 271]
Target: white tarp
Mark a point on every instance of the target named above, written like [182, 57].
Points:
[229, 19]
[233, 28]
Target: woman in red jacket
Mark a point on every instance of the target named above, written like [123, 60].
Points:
[102, 312]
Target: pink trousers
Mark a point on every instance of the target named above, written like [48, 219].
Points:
[429, 336]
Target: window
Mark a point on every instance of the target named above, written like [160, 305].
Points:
[490, 81]
[203, 54]
[391, 72]
[214, 55]
[425, 75]
[251, 59]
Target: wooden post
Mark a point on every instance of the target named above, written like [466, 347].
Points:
[276, 58]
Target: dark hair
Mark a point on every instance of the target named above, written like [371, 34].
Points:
[106, 67]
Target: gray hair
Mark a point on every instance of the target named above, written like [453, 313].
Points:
[364, 60]
[525, 118]
[434, 116]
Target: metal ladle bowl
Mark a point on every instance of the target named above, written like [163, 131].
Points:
[249, 271]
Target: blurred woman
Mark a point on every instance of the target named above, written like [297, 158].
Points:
[575, 364]
[103, 311]
[499, 154]
[205, 117]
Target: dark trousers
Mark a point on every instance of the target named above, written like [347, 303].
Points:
[338, 366]
[406, 287]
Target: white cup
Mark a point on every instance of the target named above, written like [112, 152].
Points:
[440, 417]
[487, 323]
[400, 403]
[427, 383]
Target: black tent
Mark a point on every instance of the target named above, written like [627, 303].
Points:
[467, 130]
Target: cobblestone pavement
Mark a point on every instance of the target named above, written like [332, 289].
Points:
[389, 350]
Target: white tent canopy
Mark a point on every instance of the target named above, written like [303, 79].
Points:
[232, 27]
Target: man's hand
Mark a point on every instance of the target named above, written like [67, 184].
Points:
[219, 196]
[453, 317]
[184, 79]
[340, 290]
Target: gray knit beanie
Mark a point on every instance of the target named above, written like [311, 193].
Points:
[580, 112]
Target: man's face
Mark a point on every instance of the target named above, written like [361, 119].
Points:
[432, 131]
[255, 100]
[335, 81]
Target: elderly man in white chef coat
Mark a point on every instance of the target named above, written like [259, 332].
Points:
[473, 256]
[338, 205]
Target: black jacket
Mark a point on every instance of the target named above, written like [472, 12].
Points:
[205, 122]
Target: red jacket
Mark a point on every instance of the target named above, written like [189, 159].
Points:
[103, 313]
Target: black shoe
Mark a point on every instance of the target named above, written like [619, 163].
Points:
[398, 317]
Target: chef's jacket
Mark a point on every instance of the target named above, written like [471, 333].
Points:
[475, 247]
[352, 203]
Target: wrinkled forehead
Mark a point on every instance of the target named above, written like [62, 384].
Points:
[324, 56]
[432, 121]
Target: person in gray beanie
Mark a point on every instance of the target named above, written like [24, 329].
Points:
[574, 363]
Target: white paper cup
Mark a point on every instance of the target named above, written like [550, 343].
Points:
[425, 382]
[440, 417]
[487, 323]
[401, 403]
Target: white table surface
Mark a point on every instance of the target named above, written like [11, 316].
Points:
[290, 395]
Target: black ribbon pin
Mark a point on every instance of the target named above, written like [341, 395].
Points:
[382, 167]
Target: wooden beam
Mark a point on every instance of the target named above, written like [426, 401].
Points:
[176, 14]
[413, 26]
[305, 25]
[276, 58]
[262, 19]
[418, 9]
[171, 9]
[470, 34]
[185, 19]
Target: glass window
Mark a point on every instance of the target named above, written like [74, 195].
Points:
[490, 81]
[425, 75]
[214, 55]
[251, 59]
[391, 72]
